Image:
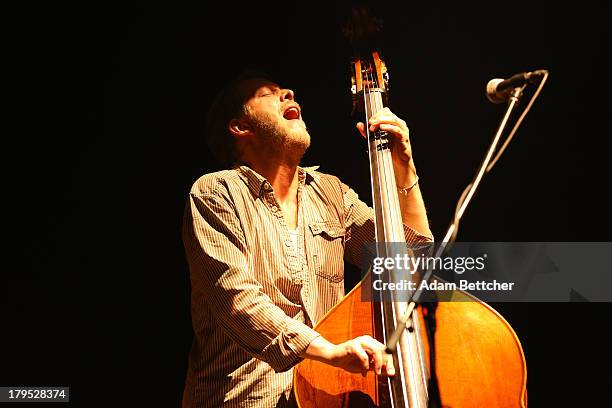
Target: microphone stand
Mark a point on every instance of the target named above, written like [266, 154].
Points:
[451, 234]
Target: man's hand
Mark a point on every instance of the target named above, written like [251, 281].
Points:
[411, 203]
[401, 151]
[358, 355]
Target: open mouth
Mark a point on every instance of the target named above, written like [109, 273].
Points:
[292, 113]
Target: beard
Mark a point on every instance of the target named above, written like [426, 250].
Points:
[276, 136]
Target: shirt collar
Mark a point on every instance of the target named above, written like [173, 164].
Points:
[259, 185]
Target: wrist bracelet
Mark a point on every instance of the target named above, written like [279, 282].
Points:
[405, 190]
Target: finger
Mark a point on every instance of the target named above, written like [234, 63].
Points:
[396, 132]
[390, 119]
[382, 117]
[365, 359]
[361, 128]
[389, 122]
[378, 361]
[384, 111]
[375, 350]
[360, 353]
[389, 367]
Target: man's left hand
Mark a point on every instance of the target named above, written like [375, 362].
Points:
[399, 140]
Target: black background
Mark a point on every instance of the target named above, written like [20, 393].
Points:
[108, 114]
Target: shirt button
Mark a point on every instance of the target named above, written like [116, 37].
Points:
[274, 209]
[288, 242]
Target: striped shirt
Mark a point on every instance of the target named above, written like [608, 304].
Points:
[256, 290]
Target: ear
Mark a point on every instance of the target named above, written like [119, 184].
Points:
[240, 128]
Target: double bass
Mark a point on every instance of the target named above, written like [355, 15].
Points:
[479, 361]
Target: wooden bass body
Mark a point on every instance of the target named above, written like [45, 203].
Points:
[479, 359]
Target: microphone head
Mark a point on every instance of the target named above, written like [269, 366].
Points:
[493, 95]
[535, 76]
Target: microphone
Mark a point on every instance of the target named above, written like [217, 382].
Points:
[498, 89]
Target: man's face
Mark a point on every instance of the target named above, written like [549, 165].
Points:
[275, 117]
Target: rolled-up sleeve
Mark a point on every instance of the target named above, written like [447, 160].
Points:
[359, 221]
[220, 272]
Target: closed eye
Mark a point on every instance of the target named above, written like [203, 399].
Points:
[268, 91]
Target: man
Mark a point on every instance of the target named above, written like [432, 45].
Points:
[265, 243]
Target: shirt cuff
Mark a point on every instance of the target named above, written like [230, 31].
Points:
[412, 236]
[284, 351]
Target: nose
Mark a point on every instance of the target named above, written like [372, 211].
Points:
[286, 94]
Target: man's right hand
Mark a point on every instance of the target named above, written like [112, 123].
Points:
[358, 355]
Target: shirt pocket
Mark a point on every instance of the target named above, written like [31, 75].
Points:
[328, 256]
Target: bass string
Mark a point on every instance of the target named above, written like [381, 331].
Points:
[384, 200]
[389, 176]
[373, 155]
[381, 158]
